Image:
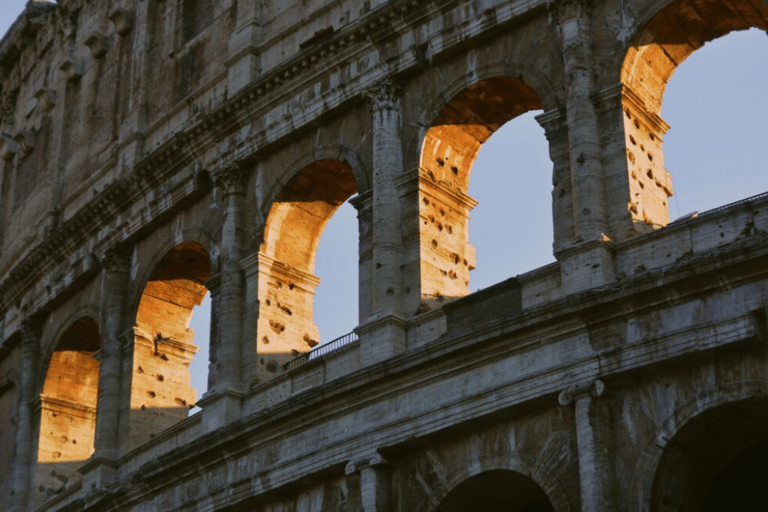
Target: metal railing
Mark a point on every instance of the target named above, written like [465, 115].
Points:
[322, 350]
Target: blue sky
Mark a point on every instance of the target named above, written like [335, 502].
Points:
[716, 104]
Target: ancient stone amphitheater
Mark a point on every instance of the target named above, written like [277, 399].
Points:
[154, 151]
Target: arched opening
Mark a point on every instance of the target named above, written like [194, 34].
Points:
[287, 280]
[741, 484]
[709, 451]
[715, 146]
[68, 409]
[448, 155]
[513, 188]
[496, 491]
[667, 40]
[336, 299]
[161, 391]
[200, 323]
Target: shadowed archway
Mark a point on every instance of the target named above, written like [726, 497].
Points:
[496, 491]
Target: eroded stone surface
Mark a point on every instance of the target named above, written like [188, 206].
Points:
[153, 152]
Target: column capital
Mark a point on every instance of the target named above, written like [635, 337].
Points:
[595, 388]
[565, 10]
[31, 330]
[231, 177]
[355, 465]
[384, 95]
[117, 260]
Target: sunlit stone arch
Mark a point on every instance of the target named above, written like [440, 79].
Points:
[534, 78]
[145, 266]
[454, 129]
[50, 341]
[163, 344]
[337, 152]
[665, 35]
[298, 213]
[68, 404]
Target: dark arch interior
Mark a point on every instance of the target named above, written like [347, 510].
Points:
[496, 491]
[741, 484]
[698, 459]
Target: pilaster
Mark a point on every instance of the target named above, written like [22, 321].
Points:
[222, 403]
[377, 344]
[370, 483]
[243, 48]
[31, 331]
[574, 21]
[595, 467]
[101, 471]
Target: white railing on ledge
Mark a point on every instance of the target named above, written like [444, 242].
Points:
[322, 350]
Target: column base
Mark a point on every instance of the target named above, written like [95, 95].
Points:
[220, 409]
[381, 339]
[587, 266]
[98, 475]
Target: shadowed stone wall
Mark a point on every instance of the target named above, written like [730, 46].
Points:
[154, 151]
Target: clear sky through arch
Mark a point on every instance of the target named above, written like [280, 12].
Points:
[716, 104]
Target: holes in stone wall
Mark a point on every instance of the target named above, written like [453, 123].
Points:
[166, 342]
[454, 142]
[715, 146]
[722, 92]
[311, 229]
[68, 409]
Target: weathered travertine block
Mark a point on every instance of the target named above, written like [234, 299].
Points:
[154, 151]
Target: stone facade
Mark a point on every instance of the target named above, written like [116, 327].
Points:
[154, 151]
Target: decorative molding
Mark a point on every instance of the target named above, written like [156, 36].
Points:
[26, 141]
[46, 99]
[565, 10]
[117, 260]
[231, 177]
[595, 388]
[122, 19]
[8, 148]
[98, 44]
[384, 95]
[73, 69]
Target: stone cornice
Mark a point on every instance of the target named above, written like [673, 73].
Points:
[63, 243]
[393, 377]
[180, 150]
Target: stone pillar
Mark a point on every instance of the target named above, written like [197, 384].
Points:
[213, 285]
[224, 398]
[101, 470]
[251, 315]
[363, 204]
[584, 140]
[387, 167]
[595, 468]
[370, 484]
[22, 463]
[384, 333]
[243, 48]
